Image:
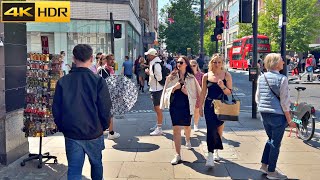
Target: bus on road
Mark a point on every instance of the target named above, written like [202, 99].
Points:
[240, 54]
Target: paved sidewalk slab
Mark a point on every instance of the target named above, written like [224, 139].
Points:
[136, 155]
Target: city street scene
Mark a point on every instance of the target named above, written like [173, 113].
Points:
[160, 89]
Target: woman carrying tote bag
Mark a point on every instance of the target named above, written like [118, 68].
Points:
[215, 84]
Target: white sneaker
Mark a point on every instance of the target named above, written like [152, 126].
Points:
[210, 162]
[105, 132]
[114, 136]
[276, 175]
[188, 145]
[156, 132]
[216, 156]
[195, 128]
[154, 127]
[176, 159]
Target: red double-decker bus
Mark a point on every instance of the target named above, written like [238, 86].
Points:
[240, 54]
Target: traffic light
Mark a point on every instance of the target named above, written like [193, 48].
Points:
[117, 30]
[245, 11]
[218, 30]
[219, 24]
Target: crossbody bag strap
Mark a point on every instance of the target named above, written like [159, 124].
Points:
[278, 97]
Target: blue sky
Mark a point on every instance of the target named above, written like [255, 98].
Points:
[161, 3]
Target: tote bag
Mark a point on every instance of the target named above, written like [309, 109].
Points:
[225, 110]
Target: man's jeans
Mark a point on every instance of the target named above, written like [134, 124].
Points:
[275, 125]
[76, 150]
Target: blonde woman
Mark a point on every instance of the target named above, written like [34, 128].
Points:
[216, 83]
[274, 107]
[198, 75]
[180, 94]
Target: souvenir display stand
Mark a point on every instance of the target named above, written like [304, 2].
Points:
[43, 71]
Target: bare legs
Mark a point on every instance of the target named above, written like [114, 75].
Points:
[159, 115]
[196, 117]
[177, 136]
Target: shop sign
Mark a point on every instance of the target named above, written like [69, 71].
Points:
[45, 44]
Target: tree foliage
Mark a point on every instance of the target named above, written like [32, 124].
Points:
[302, 24]
[184, 32]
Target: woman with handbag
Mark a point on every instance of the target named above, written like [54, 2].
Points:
[215, 84]
[273, 100]
[198, 75]
[180, 94]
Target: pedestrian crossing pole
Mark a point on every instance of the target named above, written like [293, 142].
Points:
[255, 57]
[283, 36]
[202, 29]
[112, 33]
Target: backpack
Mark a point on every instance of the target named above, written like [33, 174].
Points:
[164, 71]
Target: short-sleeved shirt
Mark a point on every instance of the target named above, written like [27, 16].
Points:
[128, 65]
[309, 62]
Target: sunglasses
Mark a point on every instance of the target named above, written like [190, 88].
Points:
[217, 62]
[180, 62]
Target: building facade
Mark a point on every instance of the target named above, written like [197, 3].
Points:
[90, 24]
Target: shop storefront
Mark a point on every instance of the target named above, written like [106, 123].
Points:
[97, 33]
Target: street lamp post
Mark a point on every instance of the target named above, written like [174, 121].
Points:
[283, 36]
[255, 56]
[201, 29]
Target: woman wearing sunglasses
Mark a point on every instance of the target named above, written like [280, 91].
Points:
[216, 83]
[180, 94]
[198, 75]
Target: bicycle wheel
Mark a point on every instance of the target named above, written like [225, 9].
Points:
[306, 130]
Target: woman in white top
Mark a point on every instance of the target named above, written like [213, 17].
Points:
[180, 94]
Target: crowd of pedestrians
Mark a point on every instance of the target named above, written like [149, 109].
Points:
[82, 105]
[307, 66]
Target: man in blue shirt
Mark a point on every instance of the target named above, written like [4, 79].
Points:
[127, 68]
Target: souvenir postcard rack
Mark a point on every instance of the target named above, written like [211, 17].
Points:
[43, 71]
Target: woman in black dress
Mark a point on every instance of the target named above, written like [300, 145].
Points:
[180, 95]
[216, 83]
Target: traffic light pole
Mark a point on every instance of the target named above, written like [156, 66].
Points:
[202, 30]
[217, 44]
[112, 34]
[283, 36]
[255, 57]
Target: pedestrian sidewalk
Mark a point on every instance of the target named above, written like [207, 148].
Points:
[136, 155]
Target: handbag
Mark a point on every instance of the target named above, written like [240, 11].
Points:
[225, 110]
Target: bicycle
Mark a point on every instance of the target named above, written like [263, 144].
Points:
[303, 114]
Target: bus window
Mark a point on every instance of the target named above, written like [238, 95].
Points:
[249, 41]
[260, 41]
[238, 43]
[263, 41]
[236, 57]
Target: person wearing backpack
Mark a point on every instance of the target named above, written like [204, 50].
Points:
[156, 82]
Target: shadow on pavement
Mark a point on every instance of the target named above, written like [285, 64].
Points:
[231, 142]
[49, 171]
[224, 168]
[131, 144]
[314, 142]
